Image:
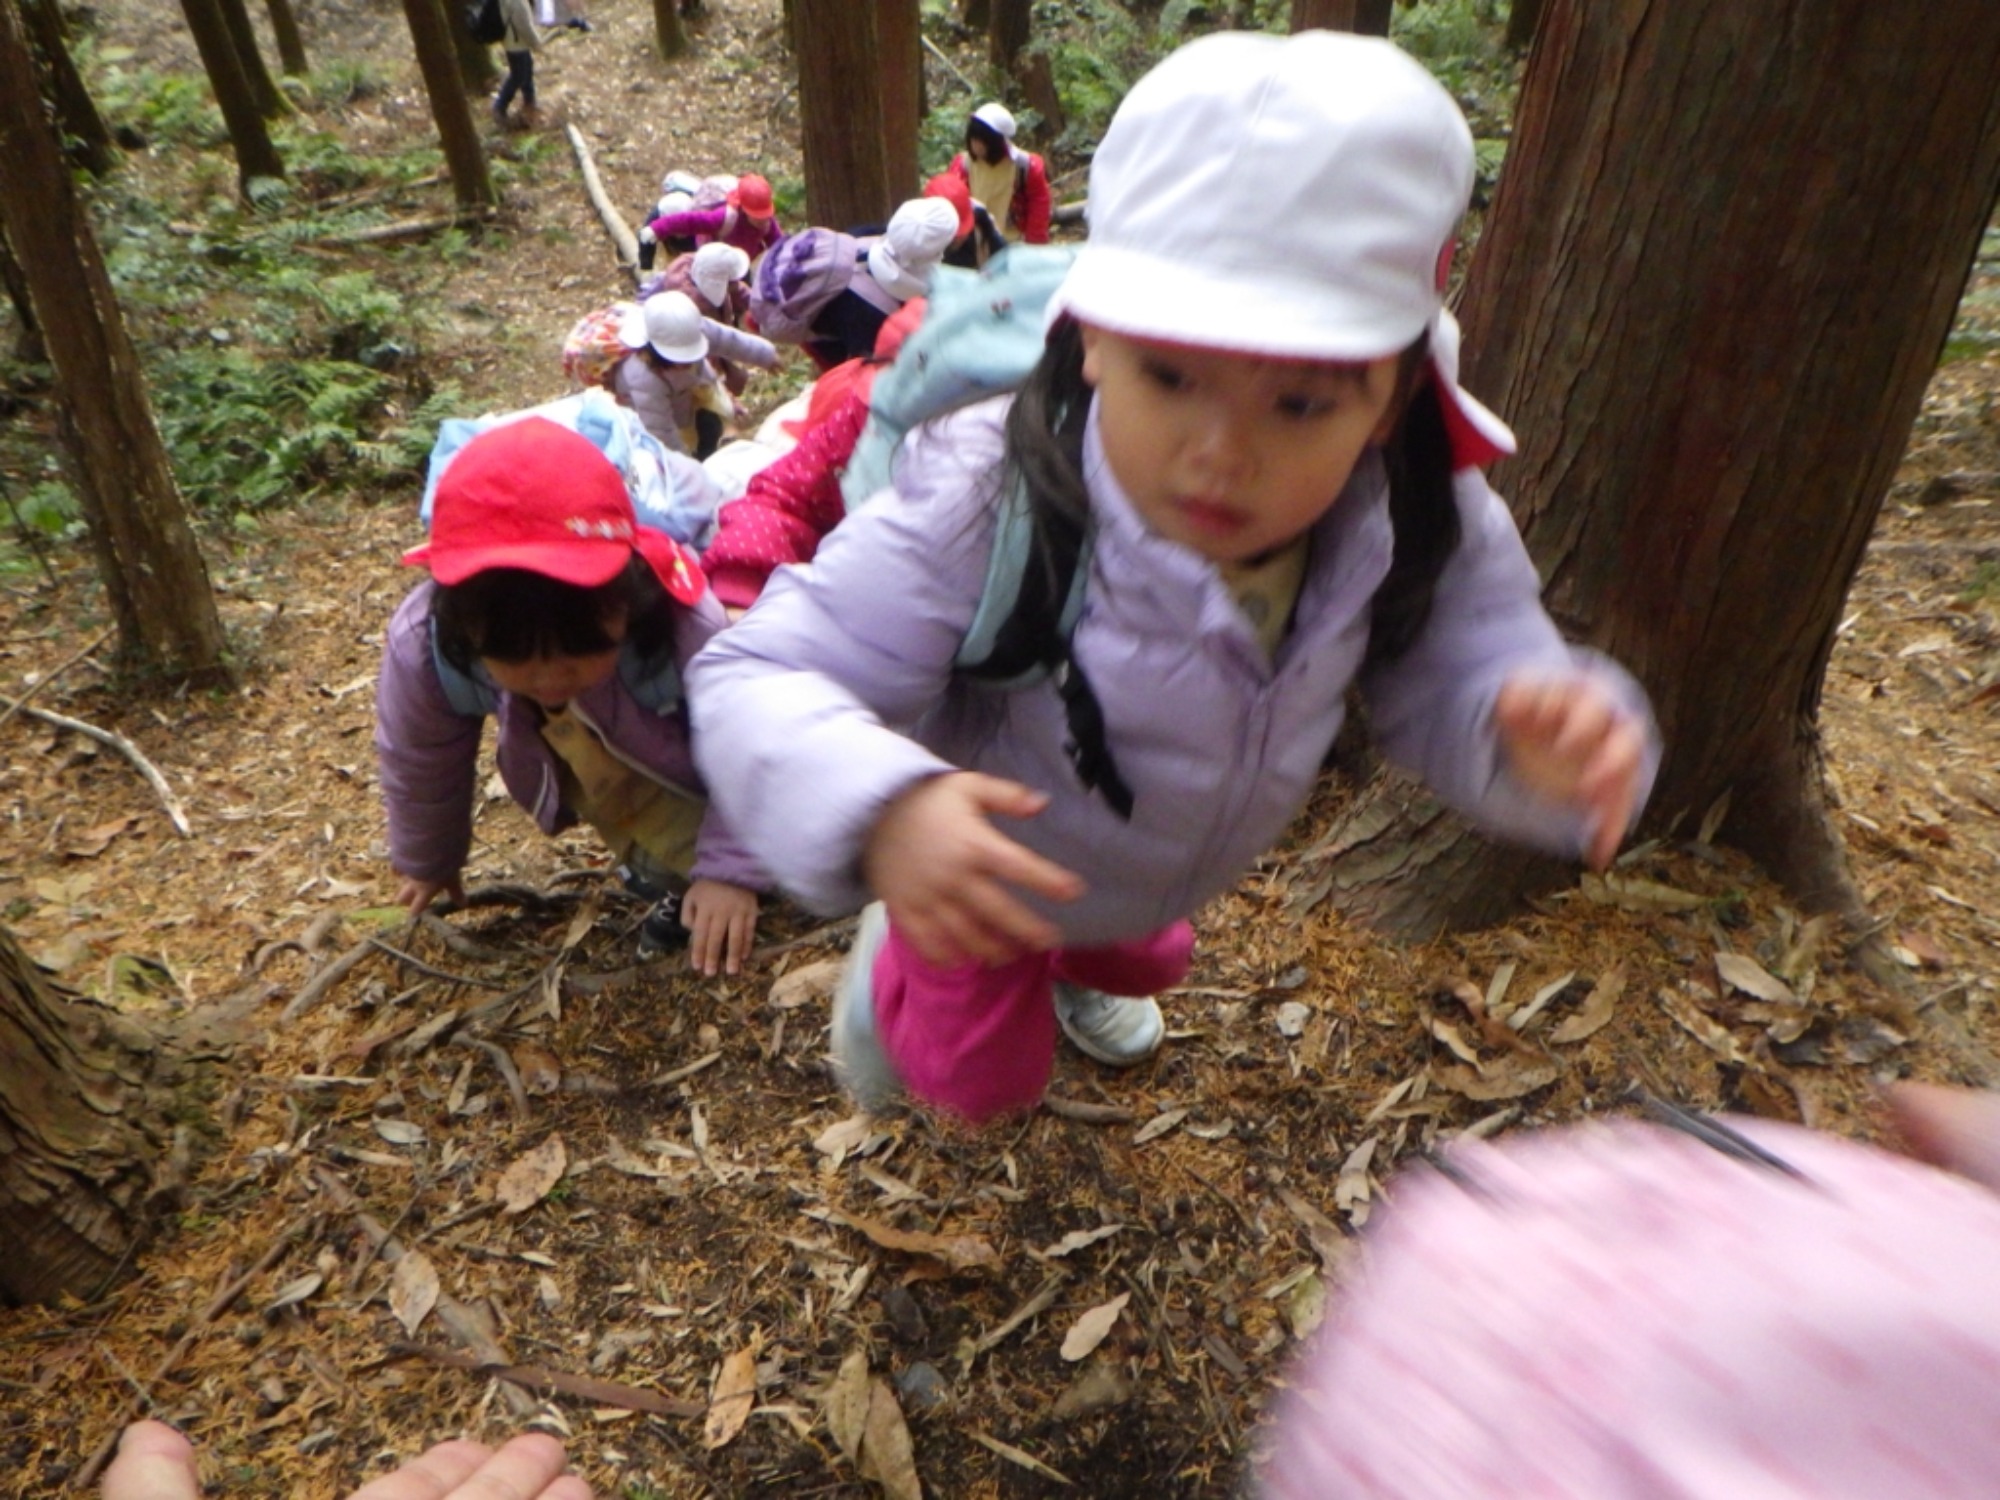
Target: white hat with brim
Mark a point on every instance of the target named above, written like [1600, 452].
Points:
[919, 233]
[670, 323]
[1293, 197]
[714, 266]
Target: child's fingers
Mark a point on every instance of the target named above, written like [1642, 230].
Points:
[433, 1474]
[740, 939]
[154, 1462]
[1020, 866]
[1002, 798]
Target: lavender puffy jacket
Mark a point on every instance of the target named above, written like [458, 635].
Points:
[835, 694]
[428, 752]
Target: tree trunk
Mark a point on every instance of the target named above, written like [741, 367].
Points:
[671, 33]
[1008, 33]
[255, 155]
[476, 69]
[1037, 77]
[82, 1122]
[899, 40]
[1371, 17]
[29, 348]
[465, 158]
[1522, 20]
[841, 111]
[1324, 15]
[291, 45]
[76, 112]
[243, 36]
[152, 570]
[977, 14]
[1713, 357]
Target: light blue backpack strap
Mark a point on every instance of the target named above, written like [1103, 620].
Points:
[654, 683]
[466, 693]
[1013, 552]
[453, 434]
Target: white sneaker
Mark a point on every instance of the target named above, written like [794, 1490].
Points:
[1118, 1032]
[863, 1068]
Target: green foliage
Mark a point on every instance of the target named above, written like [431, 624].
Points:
[169, 109]
[1984, 585]
[339, 81]
[49, 508]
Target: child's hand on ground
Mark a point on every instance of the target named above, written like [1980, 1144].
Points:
[722, 924]
[1568, 741]
[414, 895]
[943, 870]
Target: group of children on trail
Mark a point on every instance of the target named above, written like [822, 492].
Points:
[1247, 479]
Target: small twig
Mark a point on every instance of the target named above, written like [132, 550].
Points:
[314, 989]
[686, 1070]
[500, 1060]
[42, 682]
[559, 1382]
[124, 747]
[950, 66]
[423, 968]
[146, 1401]
[404, 229]
[1089, 1114]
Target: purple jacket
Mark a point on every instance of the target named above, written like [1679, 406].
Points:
[729, 225]
[428, 752]
[835, 694]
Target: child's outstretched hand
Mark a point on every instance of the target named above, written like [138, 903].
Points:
[721, 920]
[1568, 741]
[414, 895]
[943, 870]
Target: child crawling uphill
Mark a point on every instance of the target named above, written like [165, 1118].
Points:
[1248, 405]
[551, 609]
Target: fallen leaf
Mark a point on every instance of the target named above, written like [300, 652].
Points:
[1026, 1460]
[1352, 1192]
[805, 985]
[1088, 1331]
[847, 1405]
[92, 842]
[540, 1069]
[413, 1289]
[887, 1455]
[1629, 893]
[1509, 1078]
[1158, 1126]
[961, 1252]
[1519, 1019]
[529, 1179]
[1076, 1239]
[857, 1135]
[730, 1401]
[400, 1132]
[1304, 1307]
[294, 1292]
[1701, 1026]
[1323, 1234]
[1746, 974]
[1098, 1387]
[1596, 1011]
[342, 890]
[548, 1292]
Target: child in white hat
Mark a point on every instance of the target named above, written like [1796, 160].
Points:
[1011, 183]
[666, 377]
[1248, 412]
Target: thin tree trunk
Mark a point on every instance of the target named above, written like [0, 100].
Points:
[28, 345]
[1371, 17]
[1036, 75]
[1713, 363]
[1008, 33]
[291, 45]
[151, 567]
[270, 101]
[1522, 20]
[671, 32]
[476, 68]
[81, 1126]
[465, 158]
[255, 155]
[1323, 15]
[900, 39]
[977, 14]
[76, 111]
[840, 103]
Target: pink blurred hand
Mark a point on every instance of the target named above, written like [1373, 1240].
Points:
[1567, 740]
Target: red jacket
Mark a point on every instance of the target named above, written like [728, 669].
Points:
[1028, 210]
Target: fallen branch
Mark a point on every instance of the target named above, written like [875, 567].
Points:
[314, 989]
[950, 66]
[497, 1054]
[1089, 1114]
[622, 238]
[558, 1382]
[217, 1306]
[413, 962]
[42, 682]
[175, 813]
[405, 229]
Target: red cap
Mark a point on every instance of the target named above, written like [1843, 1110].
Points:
[534, 495]
[951, 187]
[752, 194]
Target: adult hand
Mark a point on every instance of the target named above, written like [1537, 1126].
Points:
[947, 874]
[155, 1462]
[414, 895]
[721, 920]
[1567, 740]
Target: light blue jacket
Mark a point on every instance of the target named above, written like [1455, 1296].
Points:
[835, 693]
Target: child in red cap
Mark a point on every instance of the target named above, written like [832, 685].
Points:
[747, 219]
[552, 610]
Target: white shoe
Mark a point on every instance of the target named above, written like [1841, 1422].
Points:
[1118, 1032]
[863, 1068]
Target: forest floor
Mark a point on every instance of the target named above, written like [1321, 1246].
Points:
[643, 1187]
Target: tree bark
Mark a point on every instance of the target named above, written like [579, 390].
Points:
[977, 14]
[476, 69]
[89, 137]
[841, 108]
[671, 33]
[28, 345]
[1008, 33]
[291, 45]
[900, 40]
[1713, 357]
[437, 59]
[255, 155]
[1324, 15]
[1371, 17]
[152, 570]
[82, 1121]
[1522, 20]
[243, 36]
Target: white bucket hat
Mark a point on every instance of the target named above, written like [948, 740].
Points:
[670, 322]
[996, 116]
[1296, 197]
[918, 235]
[714, 266]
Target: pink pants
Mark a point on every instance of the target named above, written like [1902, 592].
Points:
[980, 1041]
